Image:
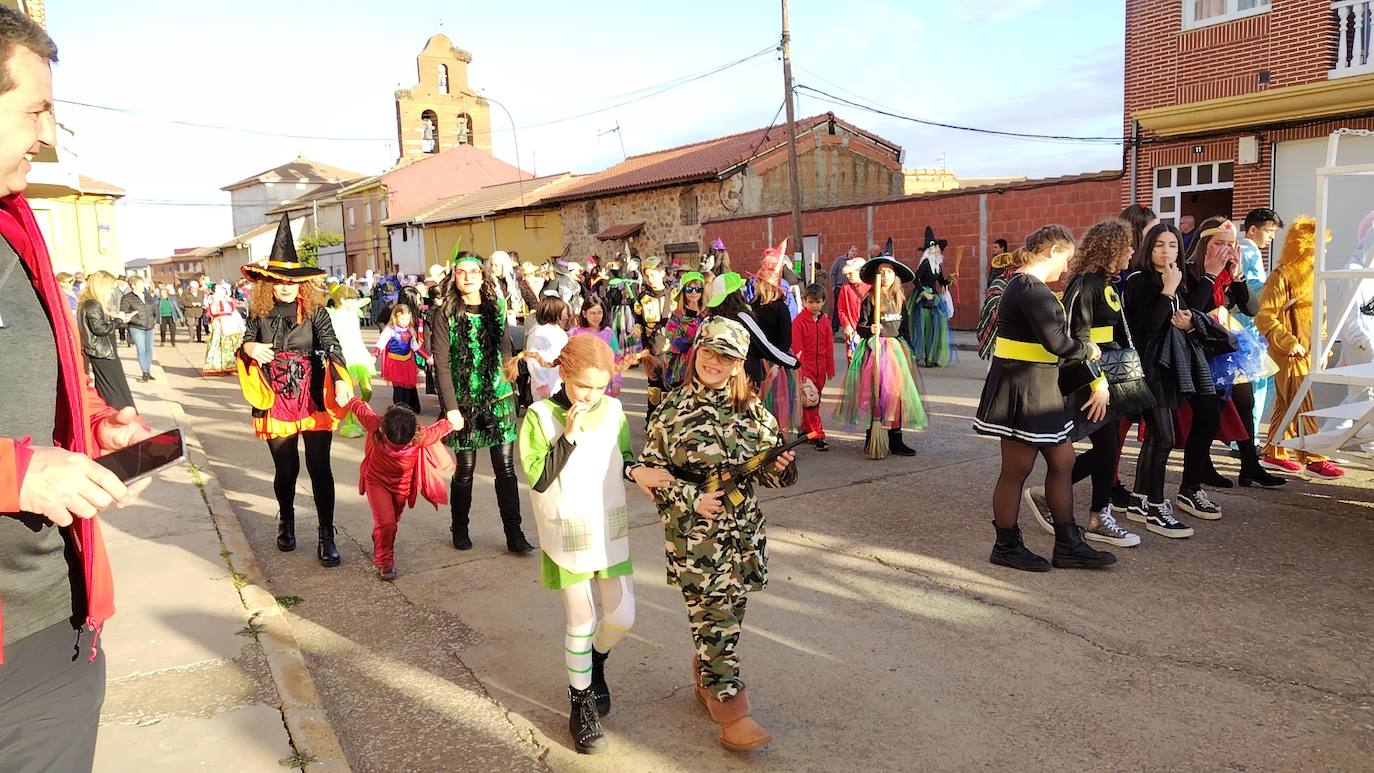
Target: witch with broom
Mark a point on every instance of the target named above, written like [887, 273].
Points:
[880, 387]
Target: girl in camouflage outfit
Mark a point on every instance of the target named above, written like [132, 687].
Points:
[716, 552]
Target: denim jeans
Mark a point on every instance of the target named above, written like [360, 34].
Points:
[143, 345]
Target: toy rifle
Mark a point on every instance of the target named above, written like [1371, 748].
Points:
[728, 479]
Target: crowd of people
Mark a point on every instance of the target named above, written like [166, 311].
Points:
[1181, 335]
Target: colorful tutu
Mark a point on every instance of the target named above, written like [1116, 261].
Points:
[780, 393]
[1245, 363]
[898, 398]
[928, 331]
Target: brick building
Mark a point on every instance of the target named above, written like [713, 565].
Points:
[1233, 100]
[659, 200]
[970, 218]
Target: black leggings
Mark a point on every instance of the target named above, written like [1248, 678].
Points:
[1154, 454]
[407, 396]
[288, 465]
[507, 487]
[1197, 452]
[1018, 459]
[1243, 397]
[1100, 462]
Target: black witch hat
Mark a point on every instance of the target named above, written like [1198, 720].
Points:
[931, 241]
[871, 266]
[282, 264]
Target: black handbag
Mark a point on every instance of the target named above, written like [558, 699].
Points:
[1130, 394]
[1215, 339]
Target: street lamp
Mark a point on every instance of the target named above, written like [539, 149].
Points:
[520, 177]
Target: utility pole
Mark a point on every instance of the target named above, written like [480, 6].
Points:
[792, 171]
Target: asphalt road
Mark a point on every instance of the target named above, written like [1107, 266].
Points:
[885, 640]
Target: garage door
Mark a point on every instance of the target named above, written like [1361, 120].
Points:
[1349, 198]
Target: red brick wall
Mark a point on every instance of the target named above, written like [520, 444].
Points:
[1167, 65]
[1012, 214]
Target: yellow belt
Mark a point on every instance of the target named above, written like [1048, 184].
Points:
[400, 357]
[1102, 335]
[1025, 351]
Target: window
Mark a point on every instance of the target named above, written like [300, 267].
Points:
[443, 79]
[1203, 13]
[367, 214]
[1200, 190]
[381, 207]
[687, 206]
[351, 222]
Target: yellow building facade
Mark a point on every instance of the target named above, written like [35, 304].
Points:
[538, 237]
[79, 226]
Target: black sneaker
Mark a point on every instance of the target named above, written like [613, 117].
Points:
[1159, 518]
[584, 724]
[1196, 503]
[1262, 478]
[821, 445]
[1039, 507]
[1135, 509]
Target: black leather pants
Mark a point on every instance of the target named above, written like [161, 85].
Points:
[507, 488]
[1154, 455]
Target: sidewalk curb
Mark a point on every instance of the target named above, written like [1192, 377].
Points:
[303, 714]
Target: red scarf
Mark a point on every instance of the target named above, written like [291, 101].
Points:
[1219, 287]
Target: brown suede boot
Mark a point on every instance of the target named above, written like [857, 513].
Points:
[738, 731]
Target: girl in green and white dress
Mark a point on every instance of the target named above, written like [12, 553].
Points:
[574, 447]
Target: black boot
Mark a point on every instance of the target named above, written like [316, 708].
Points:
[516, 542]
[1010, 551]
[459, 527]
[329, 554]
[1071, 552]
[896, 446]
[1251, 473]
[599, 689]
[584, 724]
[286, 531]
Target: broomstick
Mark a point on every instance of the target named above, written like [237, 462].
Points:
[877, 437]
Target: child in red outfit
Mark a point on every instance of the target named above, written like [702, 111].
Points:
[813, 343]
[400, 463]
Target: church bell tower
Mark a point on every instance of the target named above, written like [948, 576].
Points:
[440, 111]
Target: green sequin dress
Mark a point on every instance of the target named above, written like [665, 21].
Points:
[485, 397]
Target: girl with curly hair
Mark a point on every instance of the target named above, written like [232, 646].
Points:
[466, 340]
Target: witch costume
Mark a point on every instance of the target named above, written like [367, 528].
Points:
[929, 307]
[293, 394]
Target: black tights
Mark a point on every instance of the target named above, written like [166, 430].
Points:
[407, 396]
[288, 467]
[1197, 452]
[507, 487]
[1153, 461]
[1100, 462]
[1243, 397]
[1018, 459]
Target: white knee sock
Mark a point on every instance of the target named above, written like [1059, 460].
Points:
[581, 626]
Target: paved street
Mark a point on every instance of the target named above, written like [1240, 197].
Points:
[884, 642]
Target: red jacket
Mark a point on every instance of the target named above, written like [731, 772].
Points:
[79, 411]
[814, 344]
[422, 467]
[847, 305]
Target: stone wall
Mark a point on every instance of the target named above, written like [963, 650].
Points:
[660, 210]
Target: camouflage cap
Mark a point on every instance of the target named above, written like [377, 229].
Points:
[724, 335]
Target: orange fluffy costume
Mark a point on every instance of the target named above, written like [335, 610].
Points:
[1285, 319]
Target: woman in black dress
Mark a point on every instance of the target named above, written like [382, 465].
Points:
[1022, 405]
[1094, 311]
[98, 325]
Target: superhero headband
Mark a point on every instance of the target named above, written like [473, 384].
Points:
[1226, 226]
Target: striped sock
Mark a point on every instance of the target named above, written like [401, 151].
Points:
[577, 654]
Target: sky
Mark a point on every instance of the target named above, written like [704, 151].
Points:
[326, 72]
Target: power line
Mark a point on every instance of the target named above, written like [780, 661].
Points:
[646, 92]
[939, 125]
